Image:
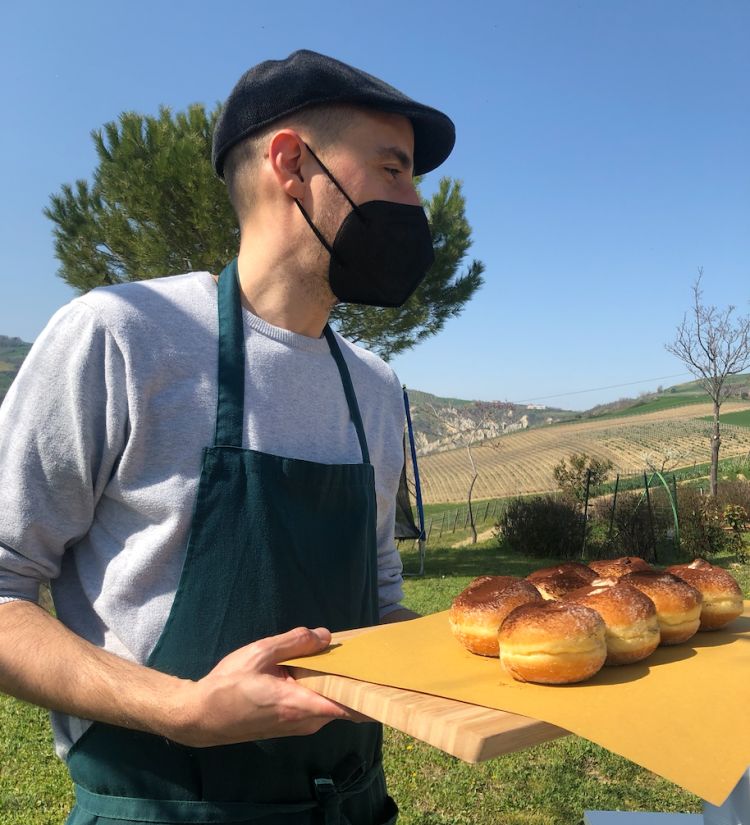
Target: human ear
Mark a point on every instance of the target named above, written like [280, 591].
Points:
[286, 157]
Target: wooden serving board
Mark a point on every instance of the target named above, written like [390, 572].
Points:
[469, 732]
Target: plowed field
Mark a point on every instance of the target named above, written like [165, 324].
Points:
[522, 462]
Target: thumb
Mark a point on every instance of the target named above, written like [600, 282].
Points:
[302, 641]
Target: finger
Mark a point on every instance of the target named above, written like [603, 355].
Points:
[351, 714]
[302, 641]
[300, 703]
[314, 724]
[356, 716]
[304, 728]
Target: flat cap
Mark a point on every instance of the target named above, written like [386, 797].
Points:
[277, 88]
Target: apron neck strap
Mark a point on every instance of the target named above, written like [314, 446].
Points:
[351, 398]
[231, 371]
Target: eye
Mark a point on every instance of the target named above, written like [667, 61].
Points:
[394, 173]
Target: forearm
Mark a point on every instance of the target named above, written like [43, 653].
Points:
[44, 663]
[247, 696]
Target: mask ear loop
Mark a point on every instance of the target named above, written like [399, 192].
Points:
[334, 181]
[331, 251]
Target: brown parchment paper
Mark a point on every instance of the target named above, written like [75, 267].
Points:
[683, 713]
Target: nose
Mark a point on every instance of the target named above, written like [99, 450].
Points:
[411, 196]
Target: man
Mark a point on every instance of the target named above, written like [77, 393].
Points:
[199, 523]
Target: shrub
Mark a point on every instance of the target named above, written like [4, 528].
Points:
[703, 530]
[737, 520]
[735, 517]
[542, 527]
[632, 533]
[572, 479]
[735, 492]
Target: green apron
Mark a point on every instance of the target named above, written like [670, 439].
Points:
[275, 543]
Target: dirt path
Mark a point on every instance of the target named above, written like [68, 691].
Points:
[483, 536]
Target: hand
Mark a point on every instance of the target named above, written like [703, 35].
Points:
[249, 696]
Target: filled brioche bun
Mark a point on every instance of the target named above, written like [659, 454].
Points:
[631, 626]
[615, 568]
[678, 605]
[722, 597]
[478, 611]
[552, 643]
[583, 571]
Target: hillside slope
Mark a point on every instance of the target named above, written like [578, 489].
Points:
[12, 353]
[444, 423]
[522, 462]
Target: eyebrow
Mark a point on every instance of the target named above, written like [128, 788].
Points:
[385, 152]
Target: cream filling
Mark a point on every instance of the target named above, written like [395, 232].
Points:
[728, 605]
[624, 643]
[483, 631]
[677, 621]
[561, 648]
[553, 664]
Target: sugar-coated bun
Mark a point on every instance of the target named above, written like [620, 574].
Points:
[557, 585]
[632, 629]
[678, 605]
[722, 597]
[615, 568]
[478, 611]
[554, 643]
[581, 570]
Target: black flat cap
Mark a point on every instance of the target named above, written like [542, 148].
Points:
[276, 88]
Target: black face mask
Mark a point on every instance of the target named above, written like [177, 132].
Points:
[381, 252]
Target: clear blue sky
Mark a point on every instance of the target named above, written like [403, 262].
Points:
[603, 145]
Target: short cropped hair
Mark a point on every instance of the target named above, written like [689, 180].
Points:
[326, 126]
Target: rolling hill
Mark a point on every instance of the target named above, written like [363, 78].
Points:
[516, 446]
[522, 462]
[12, 353]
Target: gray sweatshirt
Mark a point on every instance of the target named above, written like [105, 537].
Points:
[101, 436]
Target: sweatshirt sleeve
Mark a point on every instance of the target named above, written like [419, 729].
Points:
[390, 567]
[63, 426]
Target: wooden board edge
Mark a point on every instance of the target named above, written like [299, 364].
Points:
[471, 733]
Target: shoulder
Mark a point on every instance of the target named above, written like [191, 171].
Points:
[368, 363]
[158, 310]
[153, 297]
[371, 370]
[377, 386]
[139, 322]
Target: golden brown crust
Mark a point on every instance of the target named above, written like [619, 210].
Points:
[678, 605]
[484, 592]
[632, 627]
[722, 596]
[615, 568]
[581, 570]
[552, 643]
[478, 611]
[554, 587]
[549, 620]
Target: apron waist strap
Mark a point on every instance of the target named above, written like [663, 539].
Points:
[184, 811]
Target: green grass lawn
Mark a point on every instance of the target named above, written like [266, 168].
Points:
[663, 402]
[550, 784]
[34, 785]
[739, 419]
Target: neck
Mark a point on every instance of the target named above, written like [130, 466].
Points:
[283, 291]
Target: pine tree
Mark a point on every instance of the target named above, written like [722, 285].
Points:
[155, 207]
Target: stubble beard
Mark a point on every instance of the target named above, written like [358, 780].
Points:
[315, 280]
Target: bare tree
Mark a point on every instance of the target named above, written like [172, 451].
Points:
[713, 345]
[465, 431]
[664, 461]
